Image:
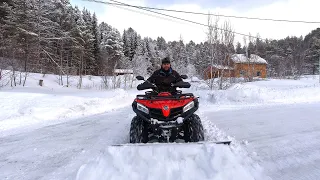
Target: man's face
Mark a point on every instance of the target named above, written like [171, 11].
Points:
[166, 66]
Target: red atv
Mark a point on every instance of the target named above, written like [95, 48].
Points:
[165, 117]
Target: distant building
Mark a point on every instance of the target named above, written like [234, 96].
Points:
[122, 71]
[238, 65]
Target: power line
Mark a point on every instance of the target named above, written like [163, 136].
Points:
[182, 19]
[146, 13]
[200, 13]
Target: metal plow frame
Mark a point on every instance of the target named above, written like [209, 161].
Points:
[164, 144]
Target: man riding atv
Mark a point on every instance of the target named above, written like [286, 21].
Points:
[165, 114]
[164, 77]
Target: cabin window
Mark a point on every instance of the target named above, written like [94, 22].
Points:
[242, 72]
[258, 73]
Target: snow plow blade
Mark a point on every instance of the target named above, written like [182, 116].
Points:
[158, 161]
[159, 144]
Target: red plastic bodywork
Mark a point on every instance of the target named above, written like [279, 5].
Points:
[161, 103]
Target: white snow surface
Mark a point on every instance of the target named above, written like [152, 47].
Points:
[283, 139]
[170, 162]
[55, 132]
[20, 109]
[263, 92]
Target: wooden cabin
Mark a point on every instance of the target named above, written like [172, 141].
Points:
[118, 72]
[238, 65]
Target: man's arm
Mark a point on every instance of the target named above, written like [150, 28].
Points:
[177, 76]
[152, 78]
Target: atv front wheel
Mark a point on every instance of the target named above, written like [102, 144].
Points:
[138, 131]
[193, 129]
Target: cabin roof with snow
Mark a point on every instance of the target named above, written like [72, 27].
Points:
[221, 67]
[241, 58]
[123, 71]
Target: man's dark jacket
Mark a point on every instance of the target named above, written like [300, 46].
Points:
[163, 79]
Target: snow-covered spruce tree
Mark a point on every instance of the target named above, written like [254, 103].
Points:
[239, 49]
[126, 43]
[130, 41]
[96, 42]
[5, 39]
[4, 4]
[312, 52]
[192, 58]
[152, 54]
[50, 19]
[78, 47]
[88, 37]
[161, 44]
[141, 60]
[19, 22]
[161, 49]
[178, 56]
[111, 48]
[67, 23]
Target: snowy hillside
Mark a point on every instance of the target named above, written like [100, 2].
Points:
[57, 132]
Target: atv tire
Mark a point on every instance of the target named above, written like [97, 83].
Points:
[138, 131]
[193, 129]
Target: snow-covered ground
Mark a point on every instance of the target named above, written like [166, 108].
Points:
[174, 161]
[35, 106]
[283, 139]
[55, 132]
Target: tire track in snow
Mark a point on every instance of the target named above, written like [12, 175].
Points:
[57, 151]
[213, 133]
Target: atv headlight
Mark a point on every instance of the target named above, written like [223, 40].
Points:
[142, 108]
[189, 106]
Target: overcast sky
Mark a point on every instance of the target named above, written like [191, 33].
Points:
[148, 24]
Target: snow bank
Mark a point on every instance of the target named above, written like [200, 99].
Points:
[271, 91]
[52, 81]
[169, 161]
[22, 108]
[32, 104]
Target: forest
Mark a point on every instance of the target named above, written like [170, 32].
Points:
[52, 36]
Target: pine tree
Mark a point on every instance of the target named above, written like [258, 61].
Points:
[20, 24]
[312, 45]
[126, 44]
[4, 9]
[111, 48]
[161, 44]
[5, 31]
[239, 50]
[90, 63]
[96, 42]
[141, 61]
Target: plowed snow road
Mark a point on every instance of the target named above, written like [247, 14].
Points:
[286, 138]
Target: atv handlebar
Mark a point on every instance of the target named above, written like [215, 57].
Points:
[148, 85]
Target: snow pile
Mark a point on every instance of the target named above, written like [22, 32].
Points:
[169, 161]
[271, 91]
[53, 81]
[174, 161]
[22, 108]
